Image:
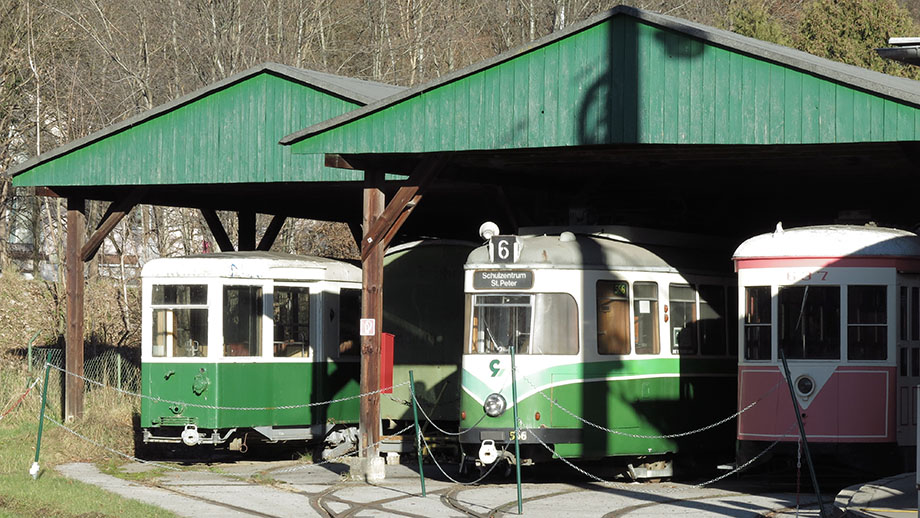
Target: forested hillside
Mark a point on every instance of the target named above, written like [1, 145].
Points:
[72, 67]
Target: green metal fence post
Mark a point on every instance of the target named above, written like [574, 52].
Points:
[517, 432]
[41, 417]
[418, 431]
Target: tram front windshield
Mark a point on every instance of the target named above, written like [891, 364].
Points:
[541, 323]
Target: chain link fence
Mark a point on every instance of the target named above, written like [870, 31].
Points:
[118, 367]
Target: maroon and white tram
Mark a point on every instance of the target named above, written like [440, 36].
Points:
[843, 304]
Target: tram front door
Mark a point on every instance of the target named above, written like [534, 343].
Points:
[908, 357]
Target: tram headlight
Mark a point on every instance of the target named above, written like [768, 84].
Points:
[494, 405]
[805, 385]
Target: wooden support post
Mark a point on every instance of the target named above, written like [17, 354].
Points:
[73, 385]
[217, 230]
[246, 237]
[381, 222]
[371, 308]
[271, 233]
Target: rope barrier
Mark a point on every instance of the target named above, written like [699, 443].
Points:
[21, 398]
[665, 436]
[166, 466]
[214, 407]
[695, 486]
[438, 428]
[448, 477]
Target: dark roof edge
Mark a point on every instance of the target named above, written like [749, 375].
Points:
[897, 88]
[295, 74]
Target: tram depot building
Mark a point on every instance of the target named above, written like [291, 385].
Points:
[629, 118]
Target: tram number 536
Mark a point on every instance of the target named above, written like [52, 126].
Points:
[522, 435]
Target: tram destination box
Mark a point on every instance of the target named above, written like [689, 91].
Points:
[502, 279]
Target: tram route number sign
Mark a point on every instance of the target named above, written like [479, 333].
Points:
[502, 279]
[504, 249]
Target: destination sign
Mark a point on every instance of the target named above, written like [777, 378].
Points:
[502, 279]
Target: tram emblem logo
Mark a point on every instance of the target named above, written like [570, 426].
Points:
[494, 367]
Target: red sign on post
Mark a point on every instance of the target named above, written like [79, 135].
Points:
[386, 362]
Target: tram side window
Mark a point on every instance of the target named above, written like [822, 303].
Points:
[809, 322]
[612, 317]
[682, 302]
[902, 313]
[757, 323]
[712, 320]
[915, 313]
[645, 309]
[180, 320]
[291, 307]
[867, 319]
[242, 321]
[349, 322]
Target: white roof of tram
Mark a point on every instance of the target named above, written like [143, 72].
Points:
[252, 265]
[831, 241]
[569, 250]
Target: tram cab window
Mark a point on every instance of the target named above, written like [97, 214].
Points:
[867, 319]
[809, 322]
[349, 323]
[757, 345]
[242, 321]
[712, 320]
[645, 315]
[291, 308]
[682, 319]
[541, 323]
[612, 317]
[180, 320]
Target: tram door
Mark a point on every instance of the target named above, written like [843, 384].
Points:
[908, 359]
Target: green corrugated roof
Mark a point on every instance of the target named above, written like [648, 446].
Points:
[629, 76]
[226, 132]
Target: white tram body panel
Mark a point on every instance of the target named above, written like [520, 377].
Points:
[842, 302]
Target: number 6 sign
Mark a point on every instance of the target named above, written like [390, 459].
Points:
[504, 249]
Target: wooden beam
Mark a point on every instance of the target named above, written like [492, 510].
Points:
[372, 309]
[217, 230]
[246, 230]
[337, 161]
[73, 385]
[114, 214]
[391, 220]
[271, 233]
[46, 191]
[403, 216]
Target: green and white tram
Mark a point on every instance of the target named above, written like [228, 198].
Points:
[244, 346]
[611, 340]
[230, 332]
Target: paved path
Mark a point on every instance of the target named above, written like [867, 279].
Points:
[288, 489]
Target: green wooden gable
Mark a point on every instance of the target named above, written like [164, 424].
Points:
[632, 77]
[223, 134]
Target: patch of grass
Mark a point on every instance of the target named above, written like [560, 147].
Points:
[53, 495]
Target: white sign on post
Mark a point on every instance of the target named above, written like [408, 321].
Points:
[368, 326]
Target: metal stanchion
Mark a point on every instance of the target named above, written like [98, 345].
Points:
[798, 417]
[517, 432]
[418, 431]
[41, 418]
